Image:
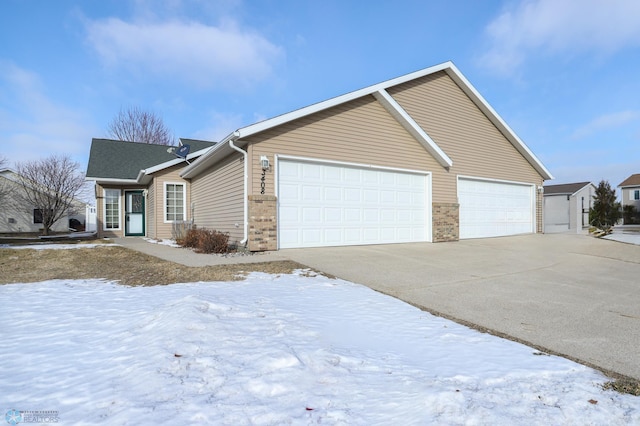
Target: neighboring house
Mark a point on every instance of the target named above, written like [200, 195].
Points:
[17, 218]
[566, 207]
[138, 189]
[630, 195]
[630, 190]
[422, 157]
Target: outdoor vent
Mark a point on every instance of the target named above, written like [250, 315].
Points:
[12, 220]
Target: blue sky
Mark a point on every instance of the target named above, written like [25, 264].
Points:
[564, 74]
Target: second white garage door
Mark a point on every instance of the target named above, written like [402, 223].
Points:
[321, 204]
[493, 209]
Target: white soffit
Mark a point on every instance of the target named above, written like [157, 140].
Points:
[412, 127]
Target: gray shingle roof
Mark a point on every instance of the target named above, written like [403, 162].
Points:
[633, 180]
[565, 188]
[113, 159]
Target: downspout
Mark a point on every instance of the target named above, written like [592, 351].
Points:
[246, 187]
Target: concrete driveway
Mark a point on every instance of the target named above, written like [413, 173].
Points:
[576, 295]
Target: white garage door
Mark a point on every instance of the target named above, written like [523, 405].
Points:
[323, 204]
[556, 213]
[493, 209]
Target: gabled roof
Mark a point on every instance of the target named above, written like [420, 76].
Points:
[633, 180]
[565, 188]
[112, 160]
[379, 91]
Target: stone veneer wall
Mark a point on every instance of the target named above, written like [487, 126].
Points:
[446, 222]
[539, 212]
[263, 230]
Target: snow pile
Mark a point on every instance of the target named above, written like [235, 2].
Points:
[163, 242]
[273, 350]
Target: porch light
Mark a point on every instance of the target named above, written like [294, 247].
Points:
[264, 162]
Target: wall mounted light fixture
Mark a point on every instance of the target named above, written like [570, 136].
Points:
[264, 162]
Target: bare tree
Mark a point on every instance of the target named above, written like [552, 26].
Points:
[51, 186]
[138, 125]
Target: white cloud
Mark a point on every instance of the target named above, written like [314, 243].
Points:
[560, 26]
[32, 126]
[607, 121]
[202, 55]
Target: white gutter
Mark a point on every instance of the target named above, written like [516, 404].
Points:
[246, 186]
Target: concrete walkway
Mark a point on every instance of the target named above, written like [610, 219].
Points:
[190, 258]
[576, 295]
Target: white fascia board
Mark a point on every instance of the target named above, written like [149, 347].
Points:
[161, 166]
[170, 163]
[311, 109]
[113, 181]
[208, 158]
[412, 127]
[584, 188]
[497, 121]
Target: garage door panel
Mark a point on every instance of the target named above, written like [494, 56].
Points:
[311, 214]
[333, 235]
[351, 176]
[289, 213]
[491, 209]
[371, 215]
[323, 204]
[371, 235]
[332, 194]
[352, 215]
[371, 196]
[352, 195]
[352, 235]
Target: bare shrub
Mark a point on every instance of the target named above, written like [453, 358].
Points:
[212, 242]
[180, 228]
[190, 238]
[205, 241]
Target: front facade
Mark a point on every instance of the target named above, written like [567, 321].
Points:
[566, 207]
[419, 158]
[138, 188]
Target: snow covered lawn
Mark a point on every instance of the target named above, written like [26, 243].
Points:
[273, 350]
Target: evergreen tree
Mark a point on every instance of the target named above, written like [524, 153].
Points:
[606, 210]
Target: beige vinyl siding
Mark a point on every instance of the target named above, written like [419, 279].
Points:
[360, 131]
[476, 147]
[219, 198]
[151, 213]
[163, 229]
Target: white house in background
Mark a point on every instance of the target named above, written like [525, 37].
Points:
[566, 207]
[16, 218]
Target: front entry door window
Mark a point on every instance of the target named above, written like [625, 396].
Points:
[134, 213]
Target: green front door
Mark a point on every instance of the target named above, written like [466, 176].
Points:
[133, 213]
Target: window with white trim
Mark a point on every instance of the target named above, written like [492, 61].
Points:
[636, 194]
[111, 209]
[175, 201]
